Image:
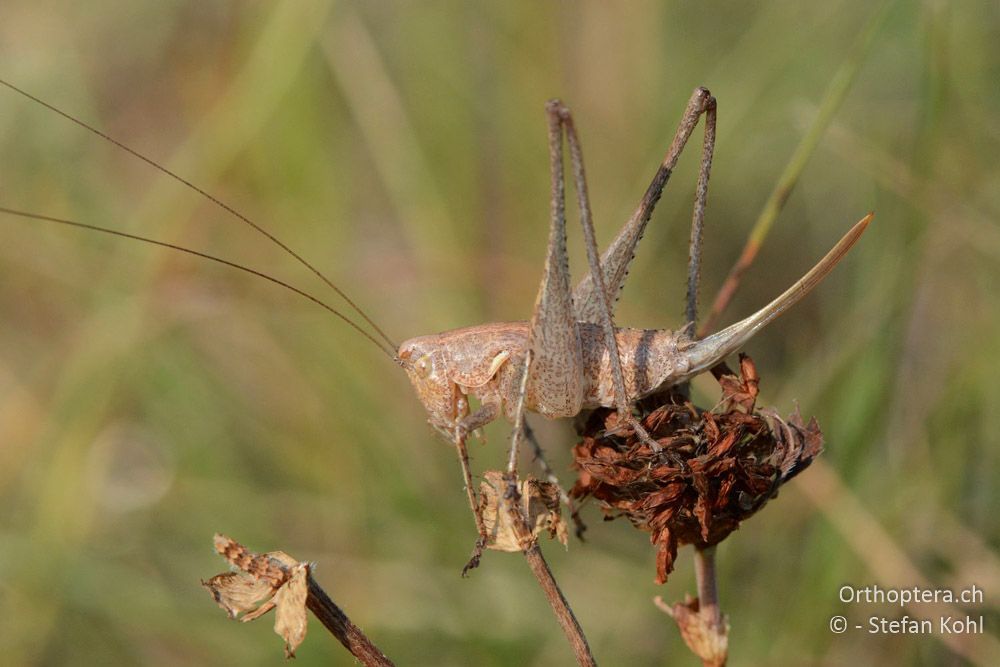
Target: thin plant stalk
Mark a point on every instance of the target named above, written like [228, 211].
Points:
[834, 96]
[340, 626]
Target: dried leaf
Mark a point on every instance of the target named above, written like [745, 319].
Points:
[708, 641]
[666, 554]
[238, 593]
[272, 580]
[290, 618]
[740, 392]
[539, 505]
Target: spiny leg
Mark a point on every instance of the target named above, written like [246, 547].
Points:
[622, 399]
[521, 429]
[698, 216]
[518, 430]
[553, 365]
[590, 242]
[470, 492]
[616, 259]
[553, 302]
[552, 478]
[553, 362]
[697, 226]
[511, 493]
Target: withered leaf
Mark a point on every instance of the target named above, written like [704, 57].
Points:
[739, 393]
[290, 617]
[708, 641]
[272, 580]
[538, 502]
[238, 593]
[666, 554]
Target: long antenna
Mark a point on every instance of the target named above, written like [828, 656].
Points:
[277, 281]
[226, 207]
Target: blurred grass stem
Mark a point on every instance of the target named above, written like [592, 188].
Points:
[836, 93]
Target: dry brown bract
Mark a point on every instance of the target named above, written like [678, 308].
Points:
[263, 582]
[705, 639]
[736, 457]
[539, 506]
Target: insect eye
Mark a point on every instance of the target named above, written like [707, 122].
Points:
[423, 366]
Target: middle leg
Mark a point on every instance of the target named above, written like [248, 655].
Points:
[620, 252]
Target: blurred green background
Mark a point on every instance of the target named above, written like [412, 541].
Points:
[148, 399]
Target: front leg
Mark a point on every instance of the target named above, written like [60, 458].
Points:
[459, 435]
[488, 411]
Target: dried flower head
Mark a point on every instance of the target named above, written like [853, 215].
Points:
[734, 456]
[263, 582]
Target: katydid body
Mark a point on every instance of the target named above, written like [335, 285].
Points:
[486, 361]
[570, 355]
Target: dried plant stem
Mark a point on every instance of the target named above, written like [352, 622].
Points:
[540, 568]
[341, 627]
[532, 552]
[708, 590]
[276, 581]
[705, 573]
[564, 614]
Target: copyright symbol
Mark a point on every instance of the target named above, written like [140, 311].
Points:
[838, 624]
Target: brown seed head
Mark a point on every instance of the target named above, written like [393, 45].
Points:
[735, 457]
